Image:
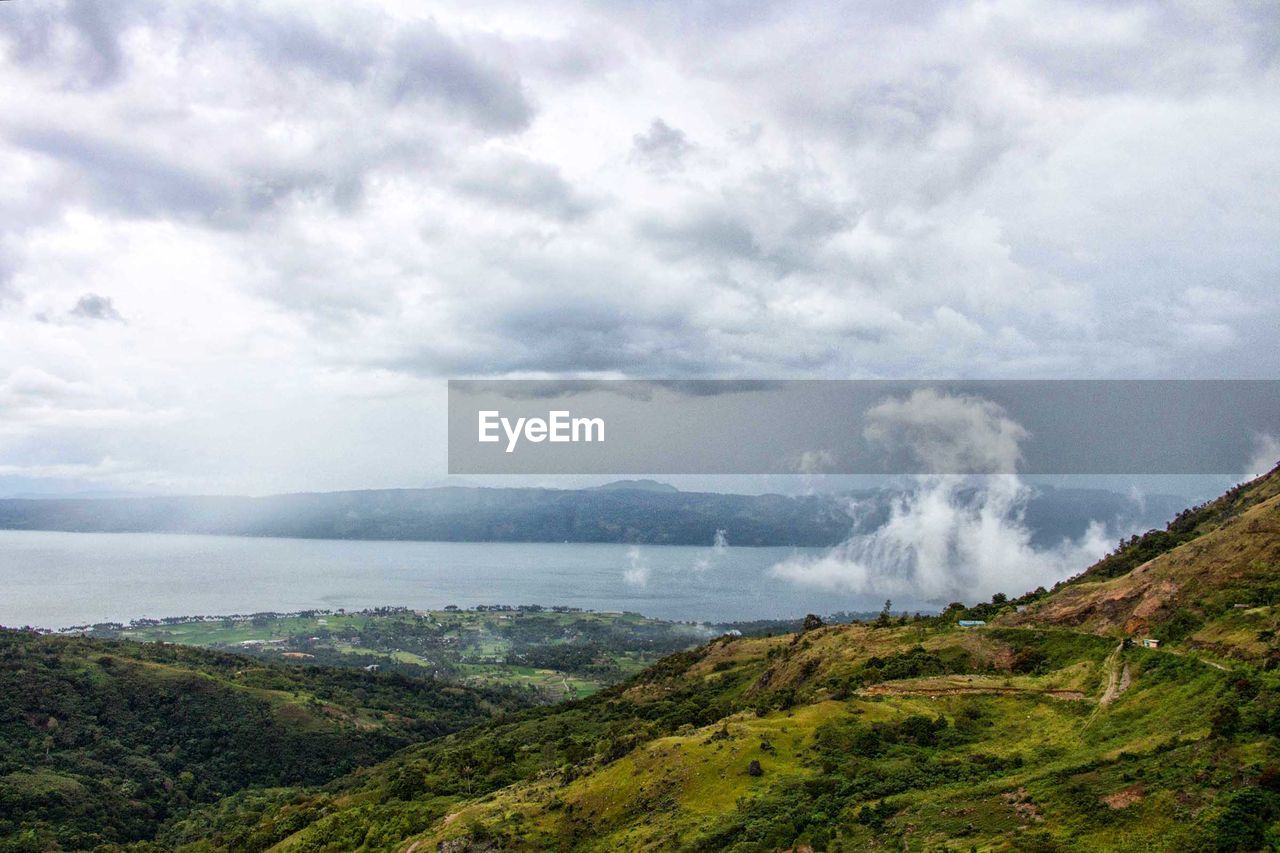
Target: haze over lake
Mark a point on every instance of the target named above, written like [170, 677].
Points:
[53, 580]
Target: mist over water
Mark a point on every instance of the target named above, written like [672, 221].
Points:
[55, 580]
[949, 536]
[947, 539]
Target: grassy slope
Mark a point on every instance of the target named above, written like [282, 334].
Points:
[479, 643]
[921, 736]
[1189, 595]
[1024, 759]
[1000, 783]
[1188, 525]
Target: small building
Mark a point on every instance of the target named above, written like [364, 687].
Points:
[972, 623]
[1149, 643]
[373, 667]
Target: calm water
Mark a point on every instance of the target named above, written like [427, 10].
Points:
[53, 580]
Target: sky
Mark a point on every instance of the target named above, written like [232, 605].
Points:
[243, 245]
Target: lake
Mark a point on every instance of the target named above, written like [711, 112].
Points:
[53, 580]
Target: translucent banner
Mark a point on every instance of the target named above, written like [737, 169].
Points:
[628, 427]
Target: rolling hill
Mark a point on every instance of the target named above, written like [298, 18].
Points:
[102, 742]
[1043, 728]
[1209, 580]
[850, 737]
[1040, 730]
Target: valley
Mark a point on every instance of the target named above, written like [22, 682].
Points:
[1134, 706]
[548, 653]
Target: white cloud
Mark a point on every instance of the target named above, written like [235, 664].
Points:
[947, 433]
[283, 200]
[950, 536]
[1266, 455]
[637, 571]
[719, 548]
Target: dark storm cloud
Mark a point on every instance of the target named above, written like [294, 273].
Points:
[422, 63]
[1260, 23]
[140, 182]
[522, 184]
[428, 65]
[93, 26]
[263, 191]
[598, 332]
[570, 333]
[366, 197]
[280, 38]
[95, 21]
[126, 178]
[635, 389]
[716, 387]
[715, 233]
[662, 146]
[93, 306]
[770, 219]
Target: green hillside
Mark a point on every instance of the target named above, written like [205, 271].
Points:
[921, 735]
[1208, 583]
[918, 736]
[1189, 524]
[548, 653]
[1046, 728]
[105, 741]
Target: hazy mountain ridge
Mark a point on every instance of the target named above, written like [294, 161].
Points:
[647, 515]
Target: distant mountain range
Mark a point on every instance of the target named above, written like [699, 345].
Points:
[637, 511]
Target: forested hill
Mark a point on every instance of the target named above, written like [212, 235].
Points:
[629, 512]
[102, 742]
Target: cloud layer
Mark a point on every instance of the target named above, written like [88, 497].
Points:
[308, 213]
[949, 537]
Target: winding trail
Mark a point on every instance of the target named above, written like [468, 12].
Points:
[1119, 678]
[935, 686]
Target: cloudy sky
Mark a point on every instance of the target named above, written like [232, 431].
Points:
[243, 244]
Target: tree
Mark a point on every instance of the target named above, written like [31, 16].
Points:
[883, 619]
[1226, 721]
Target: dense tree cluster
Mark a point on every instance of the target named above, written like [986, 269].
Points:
[105, 741]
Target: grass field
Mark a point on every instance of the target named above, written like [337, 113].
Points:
[556, 654]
